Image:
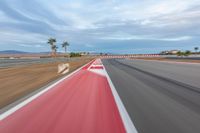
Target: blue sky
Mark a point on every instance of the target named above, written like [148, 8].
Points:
[115, 26]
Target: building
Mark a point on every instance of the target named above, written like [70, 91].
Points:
[169, 52]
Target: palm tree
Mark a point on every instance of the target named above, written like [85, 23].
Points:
[54, 49]
[52, 42]
[196, 49]
[64, 45]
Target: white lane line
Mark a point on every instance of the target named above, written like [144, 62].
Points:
[25, 102]
[129, 126]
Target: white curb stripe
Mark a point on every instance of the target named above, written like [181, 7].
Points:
[129, 126]
[25, 102]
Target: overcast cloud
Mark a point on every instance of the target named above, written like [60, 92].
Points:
[115, 26]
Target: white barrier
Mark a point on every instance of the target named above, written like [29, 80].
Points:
[63, 68]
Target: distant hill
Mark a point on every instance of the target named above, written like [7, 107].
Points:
[13, 52]
[22, 52]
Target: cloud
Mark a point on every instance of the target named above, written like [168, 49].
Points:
[182, 38]
[135, 37]
[88, 25]
[89, 45]
[24, 45]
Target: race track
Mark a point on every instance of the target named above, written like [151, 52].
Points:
[159, 97]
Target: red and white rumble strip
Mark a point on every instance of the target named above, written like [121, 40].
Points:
[97, 67]
[86, 102]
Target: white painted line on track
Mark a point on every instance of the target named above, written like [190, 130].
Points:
[129, 126]
[25, 102]
[97, 63]
[98, 71]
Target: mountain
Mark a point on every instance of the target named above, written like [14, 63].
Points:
[22, 52]
[13, 52]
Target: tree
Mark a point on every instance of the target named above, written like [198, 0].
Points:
[52, 41]
[179, 53]
[196, 49]
[72, 54]
[54, 48]
[64, 45]
[187, 53]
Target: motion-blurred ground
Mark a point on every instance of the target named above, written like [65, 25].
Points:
[24, 78]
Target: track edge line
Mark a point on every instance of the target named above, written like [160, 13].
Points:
[129, 126]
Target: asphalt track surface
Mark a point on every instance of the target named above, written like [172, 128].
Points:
[184, 58]
[82, 103]
[16, 62]
[159, 97]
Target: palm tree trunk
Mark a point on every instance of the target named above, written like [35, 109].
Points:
[55, 52]
[52, 52]
[65, 50]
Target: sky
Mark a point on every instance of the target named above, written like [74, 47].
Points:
[108, 26]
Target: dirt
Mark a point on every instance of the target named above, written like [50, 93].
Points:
[17, 82]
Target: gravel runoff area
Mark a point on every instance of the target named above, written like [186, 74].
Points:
[17, 82]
